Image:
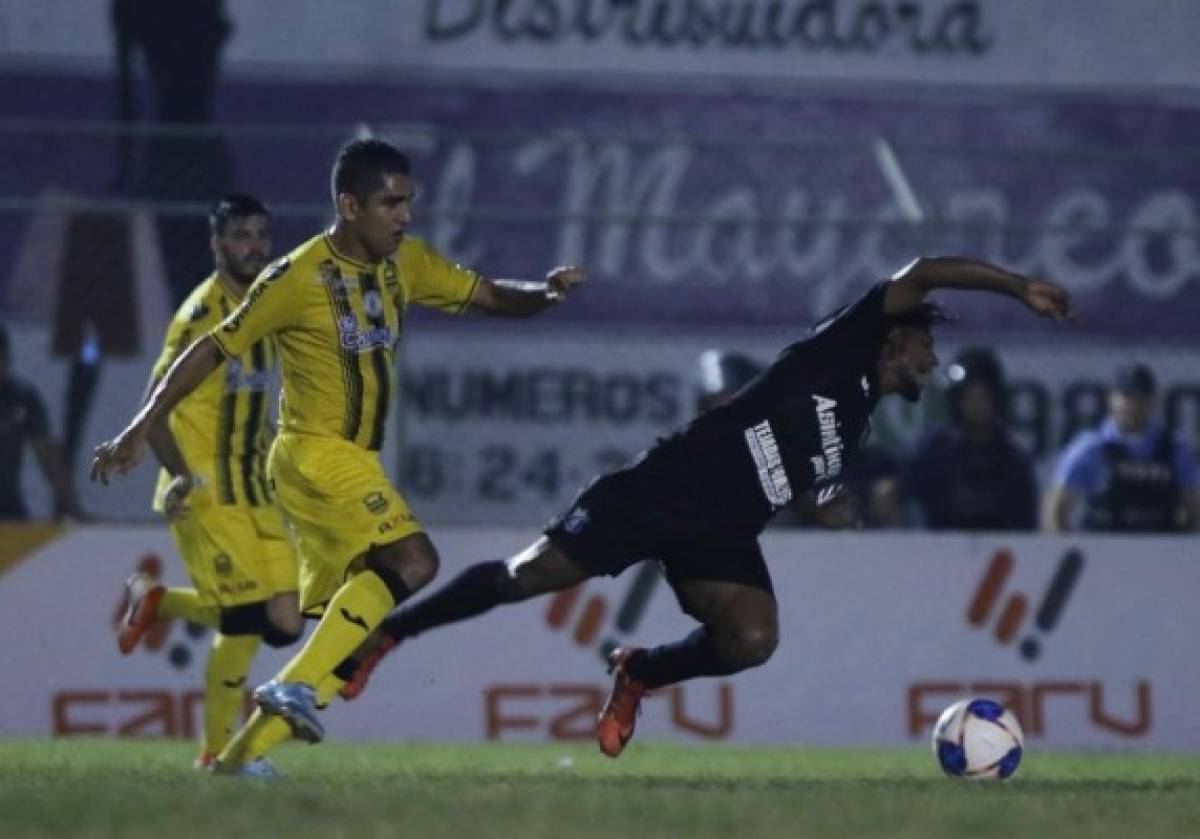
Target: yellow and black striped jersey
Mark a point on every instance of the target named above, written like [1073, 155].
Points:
[337, 323]
[222, 427]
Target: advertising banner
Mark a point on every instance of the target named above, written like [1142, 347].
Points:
[1081, 637]
[1081, 43]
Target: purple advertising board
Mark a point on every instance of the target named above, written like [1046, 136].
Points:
[718, 207]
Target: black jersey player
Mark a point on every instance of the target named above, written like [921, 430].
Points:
[697, 500]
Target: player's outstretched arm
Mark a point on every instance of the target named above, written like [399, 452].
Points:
[170, 457]
[122, 453]
[921, 276]
[525, 298]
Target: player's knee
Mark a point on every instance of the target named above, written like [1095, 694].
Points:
[283, 611]
[420, 568]
[753, 645]
[273, 636]
[405, 571]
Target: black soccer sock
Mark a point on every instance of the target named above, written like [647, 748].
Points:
[696, 655]
[473, 592]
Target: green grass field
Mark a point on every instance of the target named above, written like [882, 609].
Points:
[134, 789]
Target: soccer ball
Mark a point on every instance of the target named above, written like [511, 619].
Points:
[978, 739]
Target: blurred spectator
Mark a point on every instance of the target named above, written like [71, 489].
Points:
[1130, 474]
[23, 419]
[180, 45]
[968, 474]
[867, 495]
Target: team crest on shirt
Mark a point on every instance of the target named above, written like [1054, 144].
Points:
[223, 565]
[373, 304]
[376, 502]
[576, 521]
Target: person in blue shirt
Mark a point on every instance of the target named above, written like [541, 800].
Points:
[1131, 474]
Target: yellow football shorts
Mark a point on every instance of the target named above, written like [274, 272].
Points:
[236, 554]
[337, 503]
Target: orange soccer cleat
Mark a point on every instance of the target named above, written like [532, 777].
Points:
[614, 726]
[144, 595]
[358, 682]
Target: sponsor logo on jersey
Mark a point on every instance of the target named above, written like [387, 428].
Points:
[234, 322]
[771, 474]
[831, 439]
[818, 465]
[364, 340]
[237, 379]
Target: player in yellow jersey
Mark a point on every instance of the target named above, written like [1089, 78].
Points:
[335, 306]
[214, 490]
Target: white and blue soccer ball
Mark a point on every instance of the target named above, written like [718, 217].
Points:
[978, 739]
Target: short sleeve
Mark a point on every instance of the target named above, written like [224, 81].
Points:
[1077, 468]
[180, 334]
[435, 281]
[270, 305]
[851, 337]
[861, 321]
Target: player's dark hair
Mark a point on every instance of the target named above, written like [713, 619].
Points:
[234, 205]
[923, 316]
[361, 166]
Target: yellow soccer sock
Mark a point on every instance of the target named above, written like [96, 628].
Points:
[224, 687]
[261, 733]
[355, 610]
[186, 603]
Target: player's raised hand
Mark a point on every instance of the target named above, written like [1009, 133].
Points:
[562, 279]
[1048, 300]
[120, 454]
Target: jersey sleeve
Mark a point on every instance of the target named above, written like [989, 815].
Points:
[851, 336]
[437, 282]
[271, 305]
[180, 334]
[861, 322]
[1078, 467]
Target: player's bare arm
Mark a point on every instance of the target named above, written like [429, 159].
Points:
[925, 274]
[120, 454]
[170, 457]
[525, 298]
[1057, 508]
